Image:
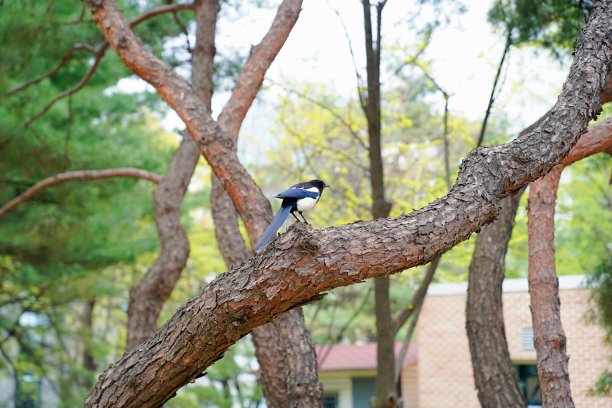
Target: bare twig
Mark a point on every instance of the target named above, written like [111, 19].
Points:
[99, 53]
[329, 109]
[78, 175]
[494, 90]
[65, 58]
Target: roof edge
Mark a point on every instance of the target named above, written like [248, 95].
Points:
[510, 285]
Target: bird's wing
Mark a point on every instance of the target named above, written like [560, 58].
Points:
[297, 193]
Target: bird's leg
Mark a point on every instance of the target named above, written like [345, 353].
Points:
[295, 216]
[302, 214]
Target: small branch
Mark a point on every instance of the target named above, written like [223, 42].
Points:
[99, 53]
[79, 175]
[406, 344]
[67, 56]
[323, 106]
[358, 77]
[326, 350]
[418, 297]
[493, 95]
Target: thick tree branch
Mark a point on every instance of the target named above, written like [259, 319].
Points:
[78, 175]
[303, 263]
[550, 340]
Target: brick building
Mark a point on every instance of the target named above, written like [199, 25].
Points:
[439, 375]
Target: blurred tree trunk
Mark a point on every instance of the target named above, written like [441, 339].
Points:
[149, 295]
[550, 340]
[493, 372]
[89, 362]
[370, 102]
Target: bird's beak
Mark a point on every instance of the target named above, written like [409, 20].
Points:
[326, 185]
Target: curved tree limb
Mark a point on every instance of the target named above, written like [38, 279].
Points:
[78, 175]
[550, 340]
[304, 262]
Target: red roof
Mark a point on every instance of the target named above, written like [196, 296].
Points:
[355, 356]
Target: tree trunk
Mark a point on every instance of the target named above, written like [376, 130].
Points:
[385, 334]
[280, 360]
[550, 341]
[549, 337]
[486, 293]
[148, 296]
[493, 372]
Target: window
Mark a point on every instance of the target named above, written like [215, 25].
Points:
[527, 375]
[528, 338]
[330, 401]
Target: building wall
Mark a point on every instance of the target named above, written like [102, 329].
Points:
[410, 386]
[444, 366]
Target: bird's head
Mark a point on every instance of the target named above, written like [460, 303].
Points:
[320, 184]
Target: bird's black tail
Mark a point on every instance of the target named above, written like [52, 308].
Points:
[276, 223]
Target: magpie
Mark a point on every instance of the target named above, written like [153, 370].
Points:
[297, 198]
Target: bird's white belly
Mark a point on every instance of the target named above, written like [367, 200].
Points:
[305, 204]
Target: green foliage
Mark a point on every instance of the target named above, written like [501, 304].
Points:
[550, 24]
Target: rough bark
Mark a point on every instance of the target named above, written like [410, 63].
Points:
[493, 372]
[385, 335]
[77, 175]
[280, 360]
[147, 297]
[550, 340]
[303, 263]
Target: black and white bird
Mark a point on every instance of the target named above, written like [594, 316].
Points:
[297, 198]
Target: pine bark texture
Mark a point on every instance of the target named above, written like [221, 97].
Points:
[493, 372]
[550, 340]
[304, 262]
